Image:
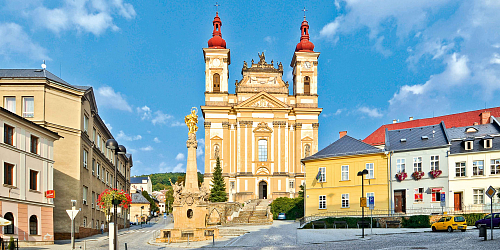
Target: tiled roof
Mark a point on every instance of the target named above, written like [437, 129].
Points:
[344, 146]
[481, 131]
[453, 120]
[138, 180]
[417, 138]
[36, 73]
[139, 199]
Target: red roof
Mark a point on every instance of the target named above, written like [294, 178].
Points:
[450, 121]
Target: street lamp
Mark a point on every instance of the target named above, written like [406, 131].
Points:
[118, 149]
[362, 174]
[142, 207]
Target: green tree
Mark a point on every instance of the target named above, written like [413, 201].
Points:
[153, 206]
[218, 191]
[169, 199]
[301, 192]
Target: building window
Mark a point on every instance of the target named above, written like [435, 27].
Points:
[10, 104]
[34, 144]
[322, 174]
[488, 143]
[98, 141]
[103, 170]
[417, 164]
[33, 180]
[28, 107]
[107, 178]
[85, 191]
[93, 167]
[371, 170]
[400, 165]
[478, 196]
[436, 194]
[262, 150]
[93, 199]
[216, 82]
[98, 171]
[495, 166]
[8, 176]
[419, 194]
[307, 85]
[8, 134]
[345, 173]
[307, 150]
[460, 169]
[345, 200]
[434, 162]
[85, 158]
[468, 145]
[279, 185]
[33, 225]
[84, 221]
[10, 228]
[322, 202]
[94, 134]
[291, 184]
[232, 185]
[478, 168]
[86, 124]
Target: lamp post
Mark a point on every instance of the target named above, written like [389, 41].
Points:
[118, 149]
[362, 174]
[142, 207]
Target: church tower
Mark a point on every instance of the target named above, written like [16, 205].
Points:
[305, 67]
[217, 60]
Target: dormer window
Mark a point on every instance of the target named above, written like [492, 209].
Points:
[471, 130]
[488, 143]
[403, 140]
[424, 137]
[468, 145]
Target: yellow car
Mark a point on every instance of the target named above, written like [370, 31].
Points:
[450, 223]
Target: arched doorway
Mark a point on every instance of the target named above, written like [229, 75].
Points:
[262, 190]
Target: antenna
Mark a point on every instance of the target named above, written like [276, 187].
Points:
[43, 65]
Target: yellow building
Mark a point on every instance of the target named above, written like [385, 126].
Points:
[261, 132]
[332, 184]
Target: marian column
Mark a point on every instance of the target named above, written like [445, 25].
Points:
[191, 182]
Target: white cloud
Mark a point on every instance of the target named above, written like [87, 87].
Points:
[108, 125]
[330, 30]
[131, 150]
[137, 162]
[270, 39]
[15, 41]
[107, 97]
[122, 136]
[201, 146]
[179, 168]
[338, 112]
[156, 140]
[95, 16]
[180, 157]
[374, 112]
[145, 112]
[148, 148]
[177, 124]
[160, 118]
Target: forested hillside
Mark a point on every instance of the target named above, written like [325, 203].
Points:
[160, 180]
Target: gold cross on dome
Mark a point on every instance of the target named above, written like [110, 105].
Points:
[217, 7]
[304, 12]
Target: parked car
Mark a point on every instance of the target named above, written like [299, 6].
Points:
[450, 223]
[281, 216]
[487, 220]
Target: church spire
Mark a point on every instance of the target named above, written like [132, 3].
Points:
[216, 42]
[304, 45]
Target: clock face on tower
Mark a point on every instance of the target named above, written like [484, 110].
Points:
[307, 65]
[216, 62]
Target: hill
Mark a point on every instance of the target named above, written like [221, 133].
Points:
[160, 180]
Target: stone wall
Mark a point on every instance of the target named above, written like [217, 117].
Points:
[221, 213]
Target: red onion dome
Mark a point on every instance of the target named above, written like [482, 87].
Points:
[216, 42]
[304, 45]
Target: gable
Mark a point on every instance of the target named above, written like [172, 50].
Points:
[262, 128]
[262, 100]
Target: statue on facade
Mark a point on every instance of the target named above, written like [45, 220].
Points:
[204, 193]
[245, 65]
[280, 67]
[262, 58]
[177, 187]
[191, 120]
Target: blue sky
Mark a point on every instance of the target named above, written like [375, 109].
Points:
[380, 60]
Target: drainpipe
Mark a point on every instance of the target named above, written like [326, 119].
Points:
[391, 205]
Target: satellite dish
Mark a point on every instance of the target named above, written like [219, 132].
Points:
[43, 65]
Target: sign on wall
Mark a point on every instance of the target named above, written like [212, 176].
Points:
[50, 194]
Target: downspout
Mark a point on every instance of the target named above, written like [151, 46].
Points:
[391, 205]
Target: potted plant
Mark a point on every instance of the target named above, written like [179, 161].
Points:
[417, 175]
[401, 176]
[111, 197]
[435, 173]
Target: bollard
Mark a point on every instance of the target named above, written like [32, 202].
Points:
[213, 239]
[188, 239]
[483, 232]
[125, 246]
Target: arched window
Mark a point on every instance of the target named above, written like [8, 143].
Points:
[262, 150]
[307, 85]
[10, 228]
[216, 82]
[307, 150]
[33, 225]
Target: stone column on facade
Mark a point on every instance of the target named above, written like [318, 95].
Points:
[298, 147]
[277, 148]
[282, 142]
[242, 147]
[249, 157]
[314, 147]
[233, 148]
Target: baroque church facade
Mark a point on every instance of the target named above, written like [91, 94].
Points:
[261, 132]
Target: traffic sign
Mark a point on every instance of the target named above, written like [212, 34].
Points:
[371, 202]
[491, 192]
[72, 213]
[443, 199]
[362, 202]
[50, 194]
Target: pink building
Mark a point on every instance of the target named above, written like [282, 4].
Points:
[26, 155]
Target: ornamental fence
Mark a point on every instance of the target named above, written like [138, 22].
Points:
[469, 209]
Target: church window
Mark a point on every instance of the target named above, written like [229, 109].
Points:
[216, 82]
[262, 150]
[307, 85]
[307, 150]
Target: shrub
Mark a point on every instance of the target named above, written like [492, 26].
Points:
[416, 221]
[472, 218]
[292, 207]
[11, 245]
[351, 222]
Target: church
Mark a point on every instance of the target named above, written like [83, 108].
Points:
[261, 132]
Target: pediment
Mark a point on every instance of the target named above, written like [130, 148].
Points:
[262, 100]
[262, 171]
[307, 138]
[263, 128]
[216, 138]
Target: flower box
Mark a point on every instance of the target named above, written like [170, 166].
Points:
[111, 197]
[401, 176]
[417, 175]
[435, 173]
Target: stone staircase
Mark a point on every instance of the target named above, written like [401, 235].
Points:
[254, 212]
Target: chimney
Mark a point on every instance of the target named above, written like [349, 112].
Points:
[394, 121]
[411, 118]
[342, 133]
[485, 117]
[475, 123]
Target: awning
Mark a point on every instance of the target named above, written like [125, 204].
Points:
[4, 222]
[436, 189]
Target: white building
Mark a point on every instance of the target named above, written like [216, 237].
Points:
[141, 184]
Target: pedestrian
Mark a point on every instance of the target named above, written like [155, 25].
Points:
[102, 228]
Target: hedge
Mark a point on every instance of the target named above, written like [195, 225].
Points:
[351, 222]
[292, 207]
[416, 221]
[472, 218]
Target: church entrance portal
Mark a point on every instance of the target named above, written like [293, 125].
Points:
[262, 190]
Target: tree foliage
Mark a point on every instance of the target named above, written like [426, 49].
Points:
[160, 180]
[153, 206]
[218, 191]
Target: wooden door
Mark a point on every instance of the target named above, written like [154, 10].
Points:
[458, 201]
[399, 201]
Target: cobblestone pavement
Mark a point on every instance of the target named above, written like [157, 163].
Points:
[284, 235]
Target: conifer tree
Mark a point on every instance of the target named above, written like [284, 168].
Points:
[218, 191]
